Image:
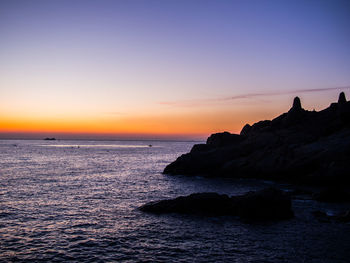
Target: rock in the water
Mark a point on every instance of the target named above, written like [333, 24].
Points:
[199, 203]
[267, 204]
[343, 217]
[333, 194]
[50, 139]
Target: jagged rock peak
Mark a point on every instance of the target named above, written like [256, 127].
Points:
[342, 98]
[296, 104]
[246, 129]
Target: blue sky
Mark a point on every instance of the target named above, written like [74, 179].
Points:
[123, 62]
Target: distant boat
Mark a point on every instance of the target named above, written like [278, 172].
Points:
[150, 145]
[50, 139]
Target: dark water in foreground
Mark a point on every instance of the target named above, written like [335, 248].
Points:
[60, 203]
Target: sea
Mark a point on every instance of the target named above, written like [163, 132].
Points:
[77, 201]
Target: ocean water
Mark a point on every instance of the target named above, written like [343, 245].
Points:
[76, 201]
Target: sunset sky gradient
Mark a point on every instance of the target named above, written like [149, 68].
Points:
[165, 69]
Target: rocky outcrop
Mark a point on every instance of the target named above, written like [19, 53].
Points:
[223, 139]
[342, 99]
[333, 195]
[343, 217]
[299, 146]
[267, 204]
[199, 203]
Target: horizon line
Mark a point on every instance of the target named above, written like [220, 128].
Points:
[100, 136]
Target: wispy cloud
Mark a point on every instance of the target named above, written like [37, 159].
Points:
[199, 102]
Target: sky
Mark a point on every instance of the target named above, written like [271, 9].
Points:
[165, 69]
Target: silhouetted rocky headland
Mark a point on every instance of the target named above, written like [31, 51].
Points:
[268, 204]
[298, 146]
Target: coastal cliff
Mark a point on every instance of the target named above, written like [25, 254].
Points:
[298, 146]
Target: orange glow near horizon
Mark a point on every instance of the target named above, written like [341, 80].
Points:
[162, 121]
[191, 125]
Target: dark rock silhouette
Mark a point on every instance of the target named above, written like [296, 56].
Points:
[222, 139]
[342, 99]
[50, 139]
[199, 203]
[343, 217]
[333, 194]
[298, 146]
[267, 204]
[296, 104]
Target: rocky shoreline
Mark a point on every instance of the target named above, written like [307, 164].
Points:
[300, 146]
[269, 204]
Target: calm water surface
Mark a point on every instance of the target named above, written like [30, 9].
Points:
[77, 201]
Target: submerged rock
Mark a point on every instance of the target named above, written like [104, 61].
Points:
[343, 217]
[333, 194]
[267, 204]
[298, 146]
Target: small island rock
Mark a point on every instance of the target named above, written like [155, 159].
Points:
[267, 204]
